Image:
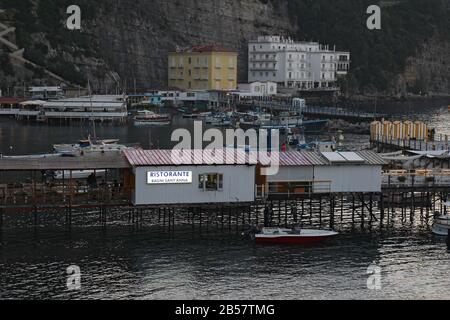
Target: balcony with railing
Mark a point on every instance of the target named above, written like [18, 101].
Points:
[291, 189]
[416, 179]
[269, 59]
[263, 68]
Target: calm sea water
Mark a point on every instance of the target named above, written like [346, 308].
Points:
[150, 263]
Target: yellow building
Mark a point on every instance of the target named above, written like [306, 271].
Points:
[203, 68]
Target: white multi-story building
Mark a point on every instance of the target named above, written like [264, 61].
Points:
[303, 65]
[257, 89]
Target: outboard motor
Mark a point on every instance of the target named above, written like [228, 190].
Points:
[251, 232]
[448, 240]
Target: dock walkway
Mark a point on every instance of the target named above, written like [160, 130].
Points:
[315, 112]
[385, 143]
[341, 113]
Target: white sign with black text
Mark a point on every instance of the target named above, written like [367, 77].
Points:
[169, 177]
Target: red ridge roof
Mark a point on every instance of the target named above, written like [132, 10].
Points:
[11, 100]
[208, 48]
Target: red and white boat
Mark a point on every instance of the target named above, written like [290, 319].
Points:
[293, 236]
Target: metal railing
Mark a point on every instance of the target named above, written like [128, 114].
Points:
[288, 189]
[416, 178]
[441, 142]
[60, 193]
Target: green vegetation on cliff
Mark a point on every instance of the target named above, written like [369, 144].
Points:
[46, 17]
[377, 55]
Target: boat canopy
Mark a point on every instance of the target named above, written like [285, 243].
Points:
[441, 154]
[33, 103]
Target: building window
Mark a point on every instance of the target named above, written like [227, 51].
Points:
[190, 60]
[210, 182]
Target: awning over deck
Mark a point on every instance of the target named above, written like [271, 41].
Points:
[104, 161]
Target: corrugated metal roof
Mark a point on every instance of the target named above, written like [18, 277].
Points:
[199, 157]
[204, 157]
[371, 157]
[316, 158]
[187, 157]
[293, 159]
[112, 160]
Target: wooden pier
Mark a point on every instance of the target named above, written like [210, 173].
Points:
[340, 113]
[383, 143]
[107, 201]
[313, 112]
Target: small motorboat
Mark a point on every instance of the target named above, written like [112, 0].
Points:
[218, 119]
[441, 224]
[146, 117]
[88, 146]
[78, 174]
[293, 236]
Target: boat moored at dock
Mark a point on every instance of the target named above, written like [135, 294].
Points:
[218, 119]
[147, 117]
[293, 236]
[78, 174]
[441, 224]
[89, 146]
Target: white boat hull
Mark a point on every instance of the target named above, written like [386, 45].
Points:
[78, 174]
[286, 236]
[441, 225]
[151, 123]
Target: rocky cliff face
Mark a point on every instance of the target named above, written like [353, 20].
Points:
[428, 71]
[126, 42]
[134, 37]
[123, 42]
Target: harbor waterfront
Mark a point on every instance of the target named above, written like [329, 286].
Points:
[159, 253]
[224, 158]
